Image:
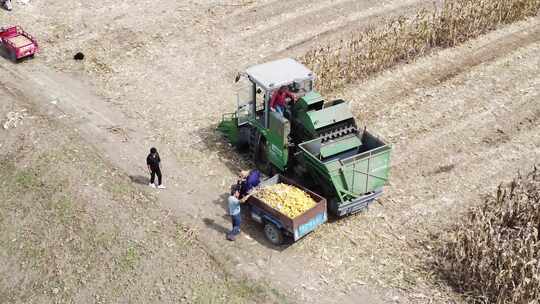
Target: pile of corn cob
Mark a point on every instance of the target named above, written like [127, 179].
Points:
[287, 199]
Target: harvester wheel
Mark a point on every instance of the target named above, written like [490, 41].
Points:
[273, 234]
[261, 160]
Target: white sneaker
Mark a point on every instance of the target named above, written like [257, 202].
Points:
[161, 187]
[152, 185]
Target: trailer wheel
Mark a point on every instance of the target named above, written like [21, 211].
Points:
[273, 234]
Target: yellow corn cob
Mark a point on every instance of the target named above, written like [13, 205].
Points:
[287, 199]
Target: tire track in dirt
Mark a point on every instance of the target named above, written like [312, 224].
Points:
[292, 32]
[459, 145]
[274, 12]
[353, 24]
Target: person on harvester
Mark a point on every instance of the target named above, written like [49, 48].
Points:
[279, 99]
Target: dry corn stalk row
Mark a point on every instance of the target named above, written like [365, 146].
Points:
[494, 256]
[404, 39]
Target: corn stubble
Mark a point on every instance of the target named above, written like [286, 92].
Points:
[405, 38]
[494, 256]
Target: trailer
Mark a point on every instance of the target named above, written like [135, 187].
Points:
[278, 226]
[17, 43]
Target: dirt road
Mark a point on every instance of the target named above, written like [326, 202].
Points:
[460, 121]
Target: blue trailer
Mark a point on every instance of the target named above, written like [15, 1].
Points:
[278, 226]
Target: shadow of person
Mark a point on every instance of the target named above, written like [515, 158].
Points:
[139, 179]
[210, 223]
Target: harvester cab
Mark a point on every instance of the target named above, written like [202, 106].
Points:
[267, 134]
[265, 79]
[315, 142]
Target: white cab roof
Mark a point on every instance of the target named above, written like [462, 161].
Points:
[274, 74]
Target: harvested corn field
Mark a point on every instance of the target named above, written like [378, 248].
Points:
[75, 229]
[461, 117]
[493, 256]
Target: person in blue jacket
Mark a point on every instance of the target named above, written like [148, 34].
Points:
[248, 180]
[234, 211]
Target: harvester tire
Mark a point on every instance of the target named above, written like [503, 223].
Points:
[261, 160]
[273, 234]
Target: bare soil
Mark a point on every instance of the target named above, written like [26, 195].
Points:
[75, 229]
[160, 74]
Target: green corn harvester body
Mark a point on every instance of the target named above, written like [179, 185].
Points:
[317, 143]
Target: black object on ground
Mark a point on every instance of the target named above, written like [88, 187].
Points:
[78, 56]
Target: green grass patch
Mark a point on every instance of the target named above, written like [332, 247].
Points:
[129, 259]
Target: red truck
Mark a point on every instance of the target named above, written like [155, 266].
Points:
[17, 43]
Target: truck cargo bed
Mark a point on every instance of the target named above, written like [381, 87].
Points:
[20, 41]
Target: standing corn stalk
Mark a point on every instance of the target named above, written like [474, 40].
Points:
[494, 256]
[404, 39]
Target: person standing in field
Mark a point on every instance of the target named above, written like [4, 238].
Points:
[153, 162]
[234, 211]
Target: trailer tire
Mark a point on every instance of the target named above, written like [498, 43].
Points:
[273, 234]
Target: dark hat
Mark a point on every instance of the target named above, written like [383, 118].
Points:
[234, 188]
[153, 150]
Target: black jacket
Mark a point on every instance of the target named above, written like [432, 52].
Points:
[153, 161]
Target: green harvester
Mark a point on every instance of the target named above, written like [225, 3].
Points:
[316, 142]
